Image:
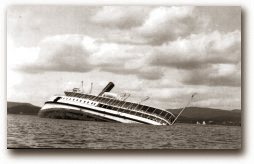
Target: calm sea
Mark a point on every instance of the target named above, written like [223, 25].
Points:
[26, 131]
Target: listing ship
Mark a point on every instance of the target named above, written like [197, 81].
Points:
[107, 106]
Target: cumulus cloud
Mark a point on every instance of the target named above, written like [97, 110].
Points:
[78, 53]
[169, 23]
[39, 21]
[199, 55]
[147, 25]
[125, 60]
[20, 55]
[166, 52]
[199, 49]
[144, 72]
[203, 59]
[60, 53]
[123, 17]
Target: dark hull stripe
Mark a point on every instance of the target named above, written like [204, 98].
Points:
[48, 102]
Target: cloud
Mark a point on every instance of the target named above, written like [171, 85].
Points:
[203, 59]
[125, 60]
[122, 17]
[29, 24]
[60, 53]
[219, 97]
[169, 23]
[78, 53]
[199, 49]
[215, 75]
[20, 55]
[144, 72]
[147, 25]
[166, 53]
[207, 96]
[200, 57]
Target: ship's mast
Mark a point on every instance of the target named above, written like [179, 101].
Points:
[82, 86]
[144, 99]
[192, 96]
[91, 88]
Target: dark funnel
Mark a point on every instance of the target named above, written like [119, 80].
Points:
[107, 88]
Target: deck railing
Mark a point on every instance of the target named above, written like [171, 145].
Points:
[128, 107]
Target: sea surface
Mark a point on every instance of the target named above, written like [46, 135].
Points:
[26, 131]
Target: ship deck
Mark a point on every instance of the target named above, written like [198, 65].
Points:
[126, 107]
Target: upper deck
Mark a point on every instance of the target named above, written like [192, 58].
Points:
[115, 104]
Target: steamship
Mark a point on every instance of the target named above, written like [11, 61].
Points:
[107, 106]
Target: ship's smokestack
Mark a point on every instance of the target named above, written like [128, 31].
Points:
[107, 88]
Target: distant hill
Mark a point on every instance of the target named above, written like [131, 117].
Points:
[209, 115]
[22, 108]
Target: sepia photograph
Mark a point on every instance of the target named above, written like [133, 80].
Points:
[124, 77]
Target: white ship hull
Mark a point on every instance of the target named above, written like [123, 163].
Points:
[78, 110]
[85, 112]
[106, 106]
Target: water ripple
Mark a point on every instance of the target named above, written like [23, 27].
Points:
[33, 132]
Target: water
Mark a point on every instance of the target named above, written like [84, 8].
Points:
[26, 131]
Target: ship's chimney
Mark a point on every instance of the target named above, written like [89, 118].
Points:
[107, 88]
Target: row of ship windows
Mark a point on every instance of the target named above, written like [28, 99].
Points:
[111, 107]
[134, 112]
[78, 100]
[137, 113]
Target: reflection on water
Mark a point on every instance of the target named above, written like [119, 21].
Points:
[26, 131]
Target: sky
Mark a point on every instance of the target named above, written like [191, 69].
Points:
[164, 52]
